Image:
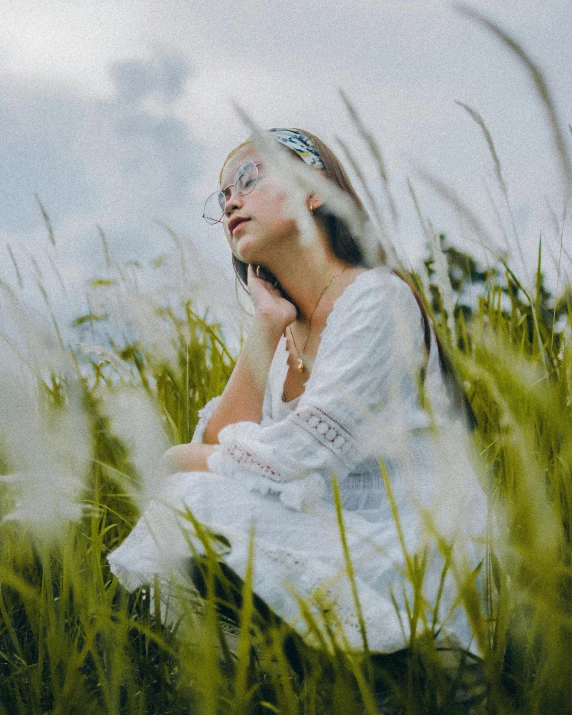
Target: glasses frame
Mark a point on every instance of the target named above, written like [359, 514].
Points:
[223, 192]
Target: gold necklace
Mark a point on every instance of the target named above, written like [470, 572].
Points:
[300, 365]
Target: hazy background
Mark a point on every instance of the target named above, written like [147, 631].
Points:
[117, 113]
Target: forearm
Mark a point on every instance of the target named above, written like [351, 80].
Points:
[187, 458]
[243, 396]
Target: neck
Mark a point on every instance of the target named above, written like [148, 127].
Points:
[305, 272]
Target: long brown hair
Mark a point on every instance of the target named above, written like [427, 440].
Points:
[455, 390]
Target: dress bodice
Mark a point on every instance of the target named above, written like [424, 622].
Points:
[361, 404]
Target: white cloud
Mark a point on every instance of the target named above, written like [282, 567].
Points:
[403, 64]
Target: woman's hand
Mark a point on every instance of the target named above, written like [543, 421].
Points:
[270, 306]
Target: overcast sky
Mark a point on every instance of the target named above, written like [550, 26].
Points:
[117, 113]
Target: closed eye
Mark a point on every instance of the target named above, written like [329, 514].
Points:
[249, 183]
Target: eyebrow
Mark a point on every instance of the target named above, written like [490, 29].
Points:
[258, 165]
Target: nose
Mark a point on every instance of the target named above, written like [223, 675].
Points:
[233, 200]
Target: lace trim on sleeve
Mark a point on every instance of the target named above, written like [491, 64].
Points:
[250, 449]
[241, 450]
[237, 463]
[244, 458]
[329, 433]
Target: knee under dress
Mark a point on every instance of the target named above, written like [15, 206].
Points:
[402, 463]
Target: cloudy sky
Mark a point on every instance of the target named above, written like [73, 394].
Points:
[118, 113]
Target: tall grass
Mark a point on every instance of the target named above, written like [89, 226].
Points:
[82, 429]
[72, 640]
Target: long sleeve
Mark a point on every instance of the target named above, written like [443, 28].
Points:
[366, 371]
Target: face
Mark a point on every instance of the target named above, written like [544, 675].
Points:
[266, 224]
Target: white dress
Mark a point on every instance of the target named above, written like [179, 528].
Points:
[361, 408]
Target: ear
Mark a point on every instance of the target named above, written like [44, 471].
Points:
[313, 201]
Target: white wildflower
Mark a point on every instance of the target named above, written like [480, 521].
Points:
[136, 423]
[49, 451]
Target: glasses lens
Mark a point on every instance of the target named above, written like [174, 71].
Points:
[246, 177]
[214, 207]
[245, 180]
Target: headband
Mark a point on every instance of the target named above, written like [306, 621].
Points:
[301, 143]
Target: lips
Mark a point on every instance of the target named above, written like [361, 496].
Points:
[235, 222]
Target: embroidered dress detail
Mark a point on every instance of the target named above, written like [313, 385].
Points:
[328, 433]
[242, 457]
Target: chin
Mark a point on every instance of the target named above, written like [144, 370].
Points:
[248, 251]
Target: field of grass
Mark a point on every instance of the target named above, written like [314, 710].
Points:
[82, 438]
[82, 431]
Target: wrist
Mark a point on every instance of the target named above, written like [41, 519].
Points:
[268, 327]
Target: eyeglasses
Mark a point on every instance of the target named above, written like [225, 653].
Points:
[245, 180]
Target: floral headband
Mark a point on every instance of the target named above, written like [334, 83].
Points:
[300, 143]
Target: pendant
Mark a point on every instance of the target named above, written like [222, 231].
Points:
[300, 365]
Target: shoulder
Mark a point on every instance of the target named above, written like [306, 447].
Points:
[374, 330]
[376, 296]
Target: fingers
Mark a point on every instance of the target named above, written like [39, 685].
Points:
[250, 275]
[255, 271]
[255, 283]
[259, 287]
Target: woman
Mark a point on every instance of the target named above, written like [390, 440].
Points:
[339, 382]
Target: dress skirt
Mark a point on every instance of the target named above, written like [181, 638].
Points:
[297, 554]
